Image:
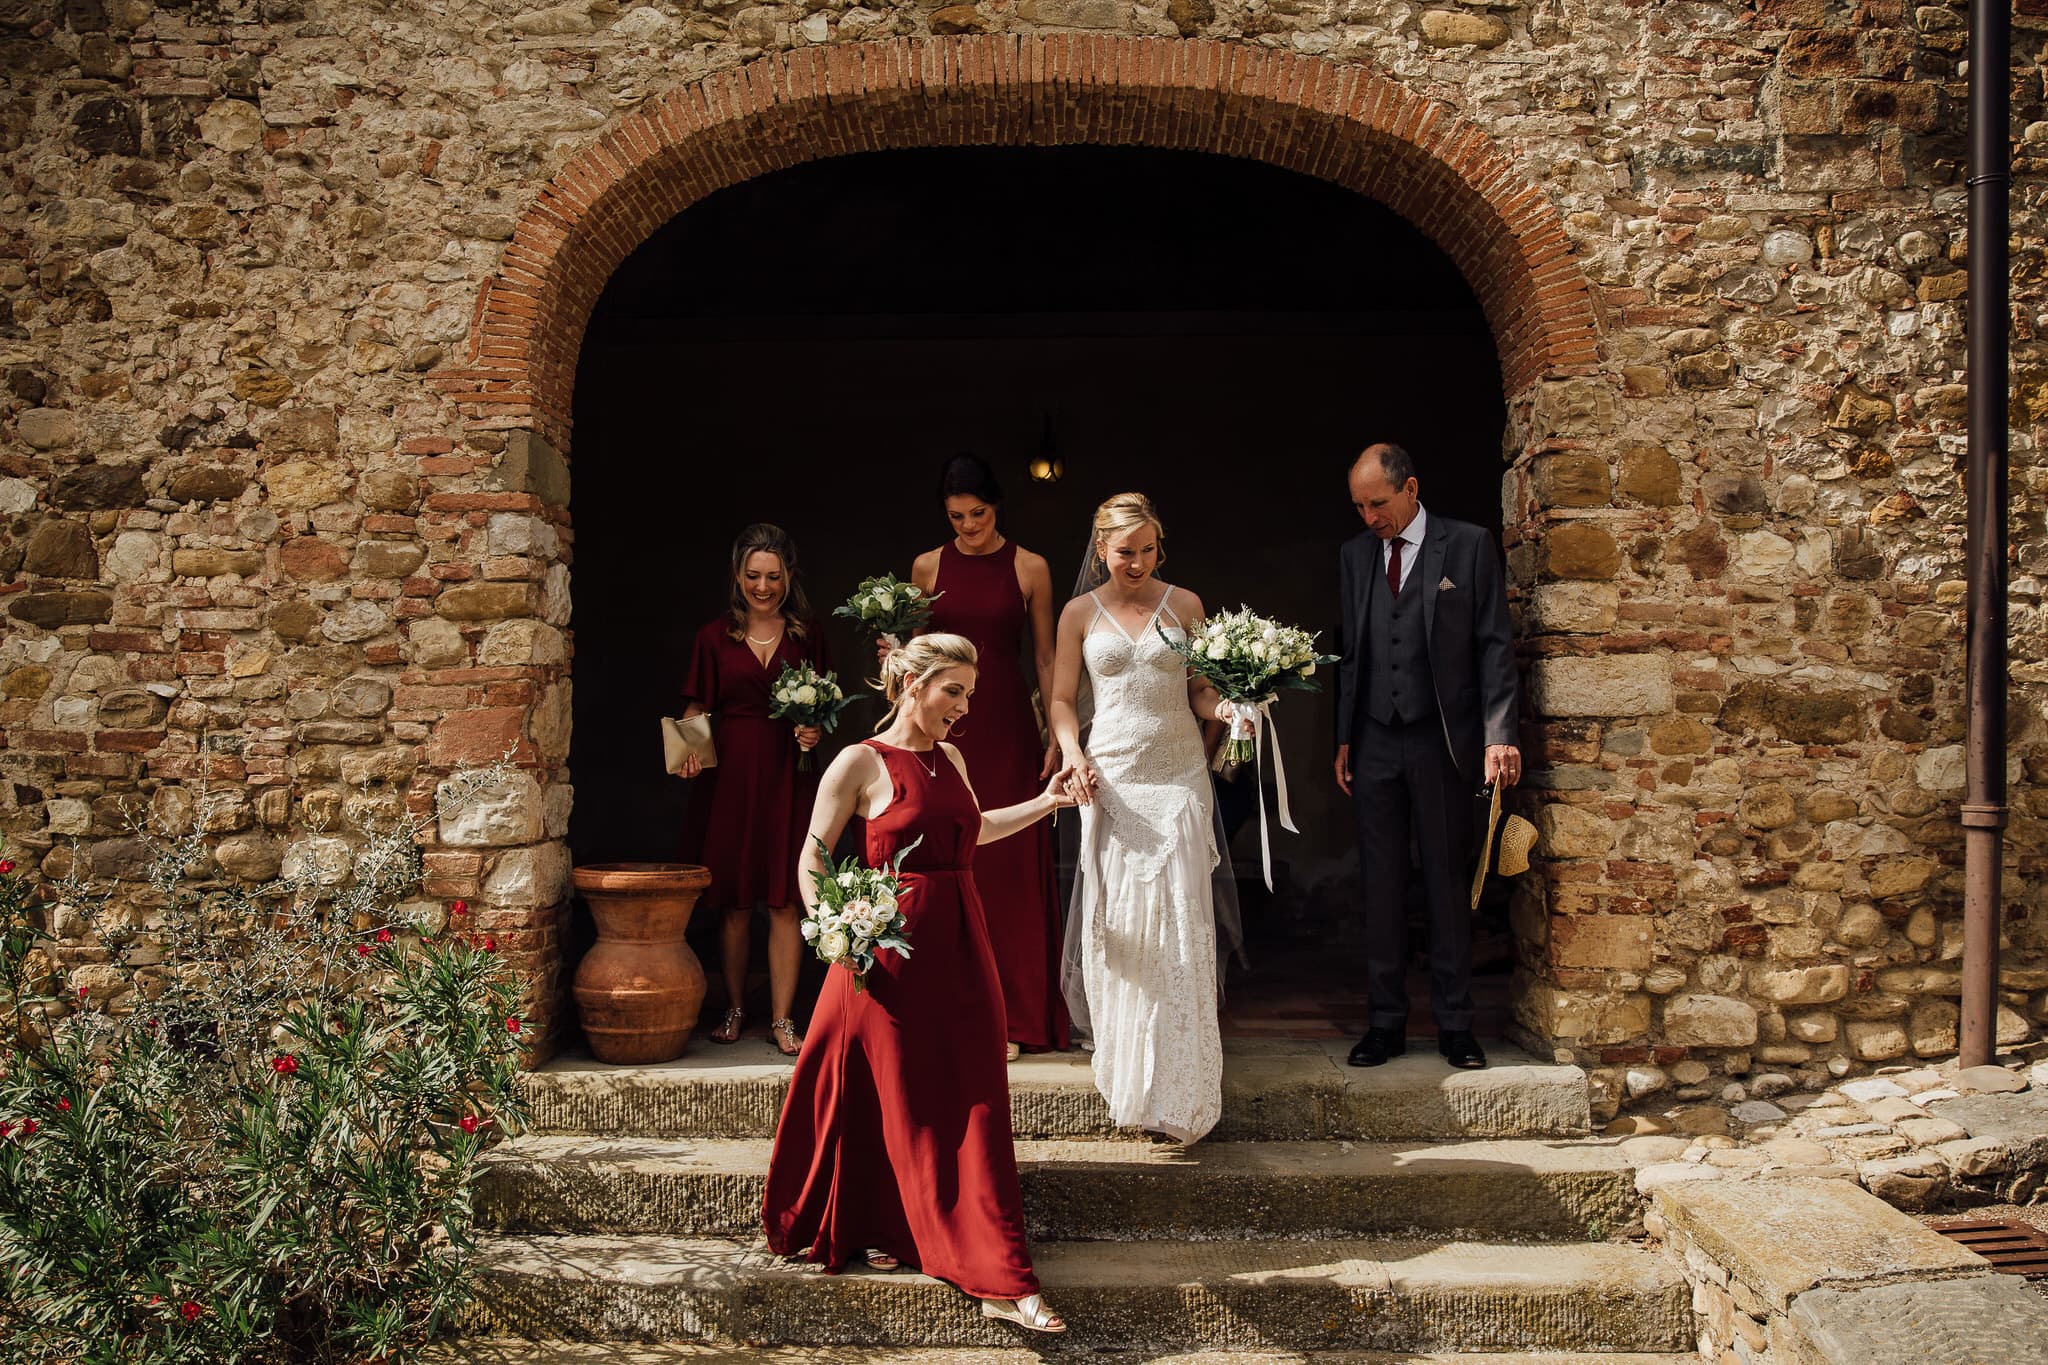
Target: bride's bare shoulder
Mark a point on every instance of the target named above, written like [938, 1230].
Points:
[1184, 604]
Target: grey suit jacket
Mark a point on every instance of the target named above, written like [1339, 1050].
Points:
[1471, 646]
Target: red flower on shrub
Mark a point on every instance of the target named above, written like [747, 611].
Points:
[84, 991]
[63, 1105]
[6, 866]
[383, 936]
[28, 1127]
[468, 1123]
[190, 1311]
[459, 908]
[287, 1065]
[362, 950]
[511, 1026]
[489, 945]
[6, 1128]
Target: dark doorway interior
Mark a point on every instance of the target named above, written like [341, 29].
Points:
[805, 348]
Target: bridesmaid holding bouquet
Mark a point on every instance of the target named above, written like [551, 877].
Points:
[998, 594]
[895, 1145]
[747, 815]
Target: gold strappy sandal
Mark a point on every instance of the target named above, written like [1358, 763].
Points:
[782, 1033]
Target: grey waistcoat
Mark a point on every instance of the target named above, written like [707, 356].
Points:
[1399, 687]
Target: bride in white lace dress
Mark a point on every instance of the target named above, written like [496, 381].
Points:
[1142, 966]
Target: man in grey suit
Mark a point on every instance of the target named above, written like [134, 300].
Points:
[1425, 715]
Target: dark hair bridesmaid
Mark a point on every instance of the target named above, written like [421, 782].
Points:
[999, 595]
[748, 814]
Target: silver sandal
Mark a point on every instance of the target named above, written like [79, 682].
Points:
[1028, 1312]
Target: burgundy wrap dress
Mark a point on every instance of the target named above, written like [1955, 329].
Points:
[747, 816]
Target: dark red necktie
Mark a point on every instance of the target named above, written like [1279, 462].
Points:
[1394, 567]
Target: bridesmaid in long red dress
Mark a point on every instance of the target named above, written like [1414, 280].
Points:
[895, 1144]
[747, 814]
[997, 593]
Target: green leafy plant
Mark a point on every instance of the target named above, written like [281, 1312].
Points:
[252, 1134]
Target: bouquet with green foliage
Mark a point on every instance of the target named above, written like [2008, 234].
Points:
[889, 609]
[808, 697]
[856, 913]
[248, 1129]
[1249, 658]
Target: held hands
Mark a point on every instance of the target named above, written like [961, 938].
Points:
[807, 737]
[1060, 790]
[1081, 780]
[1051, 764]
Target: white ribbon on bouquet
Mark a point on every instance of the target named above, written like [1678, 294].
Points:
[1252, 719]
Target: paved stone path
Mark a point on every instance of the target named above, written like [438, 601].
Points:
[1918, 1137]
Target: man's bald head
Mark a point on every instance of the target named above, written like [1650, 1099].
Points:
[1393, 461]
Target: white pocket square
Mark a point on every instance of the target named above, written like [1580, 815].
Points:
[1445, 585]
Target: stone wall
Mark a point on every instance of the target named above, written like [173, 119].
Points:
[291, 292]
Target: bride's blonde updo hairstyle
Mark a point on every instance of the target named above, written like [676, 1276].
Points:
[1125, 512]
[916, 662]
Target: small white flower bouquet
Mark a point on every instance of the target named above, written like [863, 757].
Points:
[808, 697]
[1250, 658]
[888, 608]
[856, 914]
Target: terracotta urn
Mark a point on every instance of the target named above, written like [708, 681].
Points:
[639, 988]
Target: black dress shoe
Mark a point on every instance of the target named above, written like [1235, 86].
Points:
[1377, 1045]
[1460, 1049]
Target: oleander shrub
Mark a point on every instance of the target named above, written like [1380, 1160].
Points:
[253, 1134]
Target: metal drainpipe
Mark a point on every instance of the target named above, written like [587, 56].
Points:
[1989, 318]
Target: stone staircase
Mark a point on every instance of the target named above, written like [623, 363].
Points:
[1400, 1210]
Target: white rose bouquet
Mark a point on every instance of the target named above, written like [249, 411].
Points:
[1250, 658]
[888, 609]
[857, 915]
[808, 697]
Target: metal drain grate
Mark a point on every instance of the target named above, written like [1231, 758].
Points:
[2012, 1248]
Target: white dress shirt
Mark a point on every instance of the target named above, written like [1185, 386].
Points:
[1411, 535]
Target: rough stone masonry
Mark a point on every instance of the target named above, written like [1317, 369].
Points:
[289, 298]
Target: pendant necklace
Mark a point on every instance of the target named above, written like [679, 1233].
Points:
[931, 769]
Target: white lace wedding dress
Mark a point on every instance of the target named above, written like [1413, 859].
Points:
[1143, 940]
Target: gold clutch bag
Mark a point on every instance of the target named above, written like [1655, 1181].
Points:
[682, 737]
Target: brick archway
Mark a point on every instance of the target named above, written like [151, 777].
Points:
[1341, 123]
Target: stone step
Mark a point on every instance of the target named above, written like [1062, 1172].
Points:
[1280, 1090]
[1082, 1190]
[1381, 1295]
[513, 1351]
